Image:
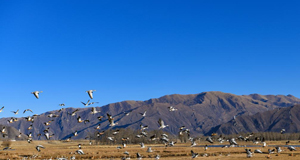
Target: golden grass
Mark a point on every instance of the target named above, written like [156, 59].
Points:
[54, 149]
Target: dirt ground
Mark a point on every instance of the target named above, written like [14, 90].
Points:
[59, 149]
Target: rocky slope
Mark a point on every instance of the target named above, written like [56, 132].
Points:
[198, 112]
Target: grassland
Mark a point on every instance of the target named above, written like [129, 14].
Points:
[54, 149]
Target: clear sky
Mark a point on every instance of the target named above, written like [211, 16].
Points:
[138, 49]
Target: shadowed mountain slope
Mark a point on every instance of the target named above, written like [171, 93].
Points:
[287, 118]
[198, 112]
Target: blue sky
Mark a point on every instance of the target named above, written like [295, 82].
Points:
[137, 50]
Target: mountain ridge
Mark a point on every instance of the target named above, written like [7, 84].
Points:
[198, 112]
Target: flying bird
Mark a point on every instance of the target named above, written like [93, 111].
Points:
[27, 110]
[1, 109]
[36, 93]
[38, 147]
[143, 114]
[15, 112]
[162, 124]
[94, 110]
[172, 109]
[194, 155]
[90, 92]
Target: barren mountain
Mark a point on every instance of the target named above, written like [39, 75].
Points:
[287, 118]
[198, 112]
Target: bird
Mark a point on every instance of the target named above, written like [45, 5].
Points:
[80, 152]
[142, 145]
[79, 120]
[47, 135]
[3, 129]
[90, 92]
[38, 147]
[282, 131]
[79, 146]
[278, 149]
[111, 120]
[172, 109]
[36, 94]
[88, 103]
[194, 155]
[291, 148]
[27, 110]
[75, 133]
[157, 156]
[232, 141]
[143, 127]
[1, 109]
[162, 124]
[126, 152]
[249, 153]
[15, 112]
[74, 112]
[149, 150]
[271, 151]
[143, 114]
[98, 127]
[62, 104]
[257, 151]
[193, 144]
[94, 111]
[138, 156]
[209, 139]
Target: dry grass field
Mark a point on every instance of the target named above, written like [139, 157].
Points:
[58, 149]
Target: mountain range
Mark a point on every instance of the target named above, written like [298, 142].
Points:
[202, 113]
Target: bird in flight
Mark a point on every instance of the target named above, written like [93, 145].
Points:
[27, 110]
[38, 147]
[36, 94]
[90, 92]
[1, 109]
[162, 124]
[15, 112]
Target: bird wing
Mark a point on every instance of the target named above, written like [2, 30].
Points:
[90, 92]
[160, 122]
[36, 94]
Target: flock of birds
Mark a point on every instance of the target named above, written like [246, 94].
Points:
[164, 138]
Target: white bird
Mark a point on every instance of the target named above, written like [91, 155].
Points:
[142, 145]
[127, 153]
[62, 104]
[90, 92]
[15, 112]
[162, 124]
[144, 114]
[157, 156]
[74, 112]
[94, 111]
[249, 153]
[138, 156]
[80, 152]
[194, 155]
[232, 141]
[291, 148]
[149, 150]
[1, 109]
[278, 149]
[110, 138]
[271, 151]
[172, 109]
[257, 151]
[208, 139]
[38, 147]
[47, 135]
[36, 93]
[193, 144]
